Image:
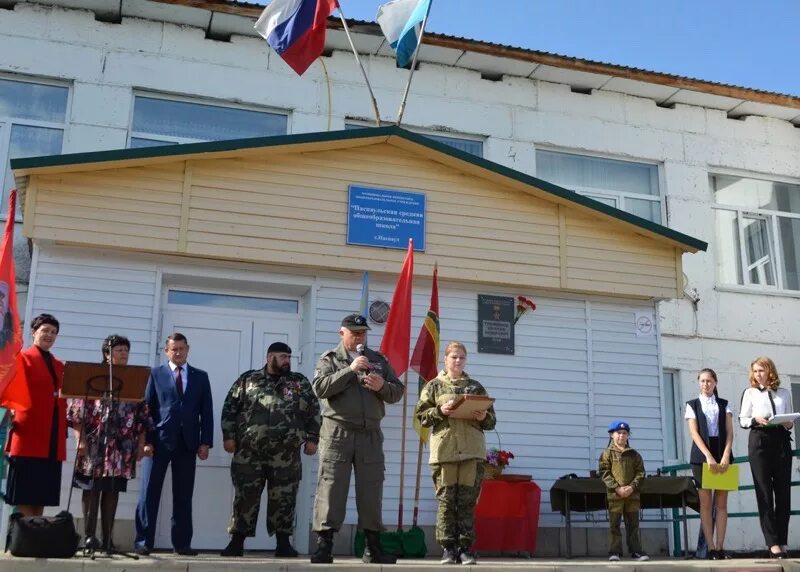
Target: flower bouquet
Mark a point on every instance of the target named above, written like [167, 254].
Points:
[524, 304]
[496, 461]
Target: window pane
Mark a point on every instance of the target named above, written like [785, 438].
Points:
[610, 201]
[651, 210]
[756, 193]
[470, 146]
[789, 230]
[203, 122]
[137, 142]
[672, 417]
[466, 145]
[29, 142]
[758, 251]
[235, 302]
[572, 171]
[729, 260]
[23, 100]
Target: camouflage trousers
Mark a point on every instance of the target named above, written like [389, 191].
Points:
[281, 472]
[628, 509]
[455, 517]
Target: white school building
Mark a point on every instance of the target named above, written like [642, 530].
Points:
[240, 244]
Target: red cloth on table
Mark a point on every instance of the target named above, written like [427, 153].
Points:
[507, 516]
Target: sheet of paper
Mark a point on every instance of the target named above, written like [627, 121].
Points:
[727, 481]
[467, 404]
[783, 418]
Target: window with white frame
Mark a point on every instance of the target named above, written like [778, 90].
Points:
[758, 232]
[471, 146]
[32, 119]
[626, 185]
[673, 417]
[160, 121]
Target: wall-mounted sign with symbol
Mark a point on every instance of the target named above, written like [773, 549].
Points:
[644, 324]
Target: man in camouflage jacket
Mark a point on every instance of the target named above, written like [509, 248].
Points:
[354, 384]
[268, 414]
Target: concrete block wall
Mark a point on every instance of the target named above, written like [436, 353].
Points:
[105, 64]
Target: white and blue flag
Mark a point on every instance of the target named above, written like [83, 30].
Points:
[401, 23]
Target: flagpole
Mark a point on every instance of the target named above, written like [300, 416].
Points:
[402, 109]
[363, 71]
[403, 452]
[416, 485]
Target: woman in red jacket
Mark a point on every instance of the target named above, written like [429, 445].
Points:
[37, 442]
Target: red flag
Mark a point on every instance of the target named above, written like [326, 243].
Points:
[13, 389]
[397, 337]
[425, 359]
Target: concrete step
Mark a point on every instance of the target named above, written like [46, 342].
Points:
[265, 562]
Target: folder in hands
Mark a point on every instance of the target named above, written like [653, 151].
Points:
[727, 481]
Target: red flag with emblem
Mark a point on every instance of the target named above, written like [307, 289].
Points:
[13, 389]
[397, 337]
[425, 359]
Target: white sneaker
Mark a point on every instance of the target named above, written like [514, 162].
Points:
[639, 556]
[613, 557]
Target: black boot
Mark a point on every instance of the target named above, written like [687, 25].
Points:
[235, 546]
[324, 552]
[284, 548]
[373, 551]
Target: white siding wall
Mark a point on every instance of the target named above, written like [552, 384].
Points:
[543, 403]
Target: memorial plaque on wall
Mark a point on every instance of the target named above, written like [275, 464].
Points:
[495, 324]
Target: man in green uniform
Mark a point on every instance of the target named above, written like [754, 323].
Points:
[353, 383]
[268, 414]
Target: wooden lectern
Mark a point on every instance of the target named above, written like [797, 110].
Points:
[85, 380]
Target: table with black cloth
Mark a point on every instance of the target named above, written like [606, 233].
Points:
[507, 516]
[569, 495]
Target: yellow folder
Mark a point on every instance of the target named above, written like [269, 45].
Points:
[727, 481]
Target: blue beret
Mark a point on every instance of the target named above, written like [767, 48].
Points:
[619, 425]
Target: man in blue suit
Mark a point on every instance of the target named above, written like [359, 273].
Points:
[179, 397]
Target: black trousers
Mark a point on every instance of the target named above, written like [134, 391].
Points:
[771, 466]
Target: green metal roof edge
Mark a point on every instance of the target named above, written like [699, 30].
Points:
[343, 135]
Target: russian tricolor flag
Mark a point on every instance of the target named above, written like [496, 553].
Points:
[296, 29]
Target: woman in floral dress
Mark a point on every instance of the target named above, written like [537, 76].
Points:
[103, 475]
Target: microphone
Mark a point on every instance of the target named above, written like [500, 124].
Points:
[360, 351]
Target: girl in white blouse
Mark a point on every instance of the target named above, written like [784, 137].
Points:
[770, 451]
[711, 426]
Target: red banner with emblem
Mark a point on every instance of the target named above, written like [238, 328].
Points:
[13, 389]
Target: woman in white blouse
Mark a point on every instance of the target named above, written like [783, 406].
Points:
[770, 451]
[711, 426]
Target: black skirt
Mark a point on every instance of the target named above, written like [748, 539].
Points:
[105, 484]
[33, 481]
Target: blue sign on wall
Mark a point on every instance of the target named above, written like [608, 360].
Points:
[385, 217]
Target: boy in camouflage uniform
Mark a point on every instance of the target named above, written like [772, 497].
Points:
[622, 471]
[267, 415]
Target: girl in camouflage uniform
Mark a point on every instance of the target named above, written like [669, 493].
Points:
[458, 449]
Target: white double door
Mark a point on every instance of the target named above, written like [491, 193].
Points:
[223, 345]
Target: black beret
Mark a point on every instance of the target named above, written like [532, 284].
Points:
[355, 323]
[279, 348]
